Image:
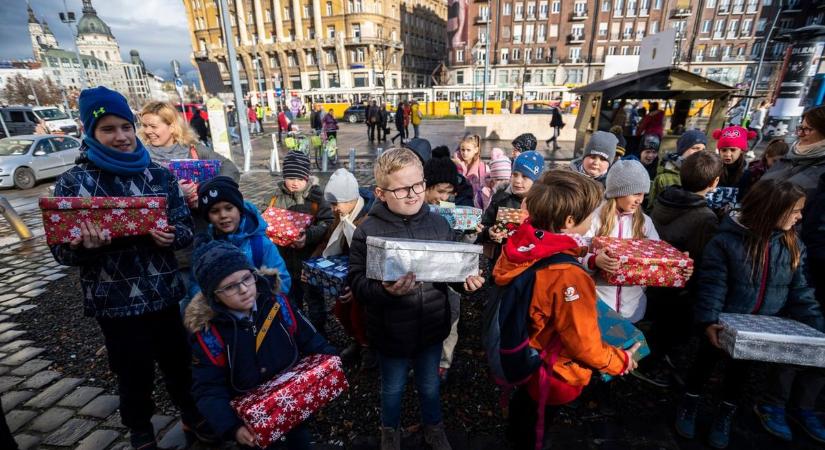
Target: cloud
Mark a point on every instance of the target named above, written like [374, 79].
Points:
[155, 28]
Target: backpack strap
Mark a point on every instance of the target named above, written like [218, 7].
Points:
[288, 314]
[257, 245]
[273, 200]
[259, 338]
[212, 345]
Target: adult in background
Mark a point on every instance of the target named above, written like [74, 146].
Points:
[407, 116]
[556, 123]
[252, 117]
[330, 125]
[373, 118]
[315, 118]
[200, 126]
[232, 124]
[284, 123]
[383, 128]
[399, 124]
[758, 118]
[653, 122]
[416, 116]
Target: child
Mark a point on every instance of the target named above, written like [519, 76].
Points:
[406, 321]
[776, 149]
[690, 142]
[598, 154]
[300, 192]
[131, 285]
[234, 220]
[525, 142]
[456, 188]
[732, 144]
[500, 172]
[230, 356]
[563, 307]
[469, 163]
[621, 216]
[621, 145]
[649, 154]
[526, 169]
[755, 265]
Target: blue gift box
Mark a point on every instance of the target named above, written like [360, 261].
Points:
[459, 217]
[619, 332]
[195, 170]
[722, 197]
[328, 274]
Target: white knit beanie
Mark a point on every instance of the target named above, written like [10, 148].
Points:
[626, 177]
[341, 187]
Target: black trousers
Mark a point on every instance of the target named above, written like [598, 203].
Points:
[671, 313]
[134, 345]
[521, 421]
[735, 376]
[315, 306]
[371, 130]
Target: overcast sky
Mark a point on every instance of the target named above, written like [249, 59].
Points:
[155, 28]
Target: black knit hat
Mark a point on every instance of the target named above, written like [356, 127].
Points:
[440, 168]
[218, 189]
[296, 165]
[212, 261]
[525, 142]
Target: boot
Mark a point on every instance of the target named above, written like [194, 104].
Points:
[390, 438]
[351, 353]
[686, 416]
[774, 420]
[436, 438]
[720, 430]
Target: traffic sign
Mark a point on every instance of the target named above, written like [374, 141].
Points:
[279, 92]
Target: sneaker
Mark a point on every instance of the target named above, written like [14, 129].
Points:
[442, 374]
[720, 430]
[143, 440]
[774, 421]
[435, 436]
[809, 422]
[657, 376]
[390, 438]
[686, 416]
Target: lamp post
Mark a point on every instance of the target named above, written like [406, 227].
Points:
[68, 18]
[752, 88]
[226, 28]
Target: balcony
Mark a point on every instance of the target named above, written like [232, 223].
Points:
[578, 15]
[640, 35]
[739, 8]
[482, 19]
[575, 38]
[718, 35]
[752, 8]
[699, 58]
[729, 58]
[723, 9]
[643, 13]
[614, 36]
[627, 36]
[679, 12]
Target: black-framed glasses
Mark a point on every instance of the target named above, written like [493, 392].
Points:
[404, 191]
[802, 129]
[235, 288]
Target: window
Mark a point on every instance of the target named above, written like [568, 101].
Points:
[574, 76]
[605, 5]
[311, 33]
[531, 11]
[502, 78]
[330, 32]
[44, 146]
[329, 8]
[459, 55]
[575, 54]
[516, 54]
[628, 30]
[528, 33]
[484, 12]
[519, 11]
[719, 29]
[517, 34]
[636, 50]
[307, 11]
[505, 54]
[539, 54]
[330, 56]
[541, 33]
[657, 4]
[654, 27]
[507, 9]
[543, 10]
[618, 8]
[760, 25]
[644, 5]
[710, 4]
[556, 8]
[611, 50]
[356, 31]
[459, 77]
[527, 54]
[631, 7]
[713, 51]
[359, 80]
[577, 31]
[624, 50]
[602, 29]
[733, 28]
[554, 30]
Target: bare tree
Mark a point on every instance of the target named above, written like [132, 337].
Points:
[22, 90]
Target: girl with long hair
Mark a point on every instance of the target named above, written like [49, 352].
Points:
[468, 160]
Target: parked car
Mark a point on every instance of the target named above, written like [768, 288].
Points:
[21, 120]
[356, 113]
[535, 108]
[27, 159]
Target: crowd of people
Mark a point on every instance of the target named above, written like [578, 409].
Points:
[198, 299]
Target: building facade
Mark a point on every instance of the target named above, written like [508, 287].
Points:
[321, 44]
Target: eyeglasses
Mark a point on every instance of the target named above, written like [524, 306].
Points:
[235, 288]
[404, 192]
[801, 129]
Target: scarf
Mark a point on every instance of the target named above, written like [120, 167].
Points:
[475, 173]
[115, 161]
[298, 197]
[342, 234]
[801, 151]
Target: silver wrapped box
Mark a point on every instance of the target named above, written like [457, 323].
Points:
[432, 261]
[771, 339]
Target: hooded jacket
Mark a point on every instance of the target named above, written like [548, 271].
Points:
[684, 220]
[400, 326]
[724, 281]
[667, 175]
[221, 374]
[503, 198]
[563, 305]
[803, 170]
[576, 166]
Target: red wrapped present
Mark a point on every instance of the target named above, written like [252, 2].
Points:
[509, 219]
[118, 216]
[285, 401]
[285, 226]
[645, 262]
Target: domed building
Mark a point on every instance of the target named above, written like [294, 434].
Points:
[95, 38]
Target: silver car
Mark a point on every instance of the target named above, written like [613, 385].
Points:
[25, 160]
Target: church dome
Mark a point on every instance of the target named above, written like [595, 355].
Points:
[90, 23]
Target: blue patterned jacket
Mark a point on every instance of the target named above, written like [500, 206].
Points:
[131, 276]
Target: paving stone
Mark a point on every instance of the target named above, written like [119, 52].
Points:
[7, 382]
[16, 277]
[4, 370]
[41, 379]
[27, 441]
[98, 440]
[16, 301]
[51, 419]
[19, 309]
[34, 293]
[30, 286]
[19, 417]
[160, 422]
[13, 398]
[22, 356]
[71, 432]
[121, 446]
[114, 421]
[10, 334]
[54, 276]
[8, 326]
[13, 346]
[54, 393]
[31, 367]
[5, 297]
[101, 407]
[174, 438]
[4, 270]
[3, 317]
[80, 396]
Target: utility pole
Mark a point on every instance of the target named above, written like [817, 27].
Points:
[240, 106]
[68, 18]
[257, 62]
[752, 88]
[486, 62]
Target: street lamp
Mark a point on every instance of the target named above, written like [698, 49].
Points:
[68, 18]
[257, 63]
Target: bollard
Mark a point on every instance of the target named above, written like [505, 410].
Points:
[379, 151]
[14, 220]
[352, 160]
[274, 160]
[324, 158]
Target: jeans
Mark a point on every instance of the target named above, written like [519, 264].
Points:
[448, 347]
[415, 130]
[794, 386]
[394, 373]
[233, 134]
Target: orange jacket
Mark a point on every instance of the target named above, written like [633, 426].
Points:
[564, 303]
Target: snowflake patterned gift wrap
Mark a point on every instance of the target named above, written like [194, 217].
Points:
[645, 262]
[772, 339]
[328, 274]
[459, 217]
[195, 170]
[288, 399]
[118, 216]
[430, 261]
[285, 226]
[619, 332]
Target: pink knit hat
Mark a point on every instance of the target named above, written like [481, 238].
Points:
[500, 166]
[733, 136]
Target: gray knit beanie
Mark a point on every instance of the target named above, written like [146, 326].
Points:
[341, 187]
[601, 143]
[626, 177]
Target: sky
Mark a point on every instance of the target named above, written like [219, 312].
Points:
[155, 28]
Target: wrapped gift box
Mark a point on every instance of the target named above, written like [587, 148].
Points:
[432, 261]
[510, 219]
[283, 402]
[195, 170]
[118, 216]
[459, 217]
[328, 274]
[722, 197]
[645, 262]
[619, 332]
[771, 339]
[284, 226]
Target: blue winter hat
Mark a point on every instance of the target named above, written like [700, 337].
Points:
[530, 164]
[690, 138]
[216, 190]
[95, 103]
[213, 260]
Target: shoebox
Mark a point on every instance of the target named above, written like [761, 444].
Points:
[328, 274]
[722, 197]
[285, 226]
[619, 332]
[388, 259]
[195, 170]
[771, 339]
[280, 404]
[116, 216]
[644, 262]
[459, 217]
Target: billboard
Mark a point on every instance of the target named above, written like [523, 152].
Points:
[458, 23]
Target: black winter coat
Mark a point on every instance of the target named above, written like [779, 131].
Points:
[684, 220]
[400, 326]
[501, 199]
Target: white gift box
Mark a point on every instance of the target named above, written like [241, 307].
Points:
[431, 261]
[771, 339]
